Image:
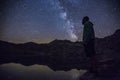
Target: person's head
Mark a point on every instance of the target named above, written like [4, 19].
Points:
[85, 19]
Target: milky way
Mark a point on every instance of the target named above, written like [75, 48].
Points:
[69, 26]
[45, 20]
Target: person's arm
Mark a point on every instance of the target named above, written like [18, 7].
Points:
[86, 34]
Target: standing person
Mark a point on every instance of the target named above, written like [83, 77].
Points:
[89, 43]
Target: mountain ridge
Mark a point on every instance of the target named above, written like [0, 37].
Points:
[59, 54]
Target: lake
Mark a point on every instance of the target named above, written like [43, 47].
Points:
[14, 71]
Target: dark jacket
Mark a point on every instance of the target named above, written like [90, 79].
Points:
[88, 32]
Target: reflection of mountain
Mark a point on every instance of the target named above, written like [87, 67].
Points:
[59, 54]
[36, 72]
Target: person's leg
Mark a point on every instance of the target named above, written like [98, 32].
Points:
[93, 64]
[93, 58]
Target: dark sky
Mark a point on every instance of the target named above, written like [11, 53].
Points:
[42, 21]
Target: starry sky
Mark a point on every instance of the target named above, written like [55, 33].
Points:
[42, 21]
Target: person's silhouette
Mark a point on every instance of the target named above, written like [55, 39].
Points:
[89, 43]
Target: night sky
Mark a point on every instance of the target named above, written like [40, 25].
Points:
[42, 21]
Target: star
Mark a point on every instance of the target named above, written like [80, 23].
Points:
[46, 20]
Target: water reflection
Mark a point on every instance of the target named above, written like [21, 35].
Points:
[14, 71]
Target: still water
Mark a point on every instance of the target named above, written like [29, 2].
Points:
[13, 71]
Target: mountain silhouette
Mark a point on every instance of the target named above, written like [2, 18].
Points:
[60, 54]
